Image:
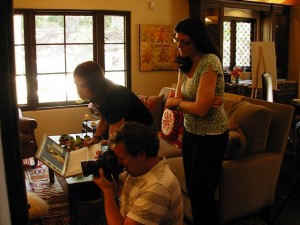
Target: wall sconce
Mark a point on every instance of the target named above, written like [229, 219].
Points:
[151, 5]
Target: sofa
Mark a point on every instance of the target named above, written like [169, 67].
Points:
[258, 132]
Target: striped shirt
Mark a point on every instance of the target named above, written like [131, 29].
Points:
[152, 198]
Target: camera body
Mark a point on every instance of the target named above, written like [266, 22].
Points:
[107, 161]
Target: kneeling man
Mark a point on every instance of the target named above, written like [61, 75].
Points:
[150, 193]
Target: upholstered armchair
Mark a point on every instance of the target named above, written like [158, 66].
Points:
[27, 137]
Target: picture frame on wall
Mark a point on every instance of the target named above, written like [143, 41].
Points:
[157, 50]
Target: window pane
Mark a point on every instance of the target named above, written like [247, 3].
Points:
[114, 57]
[114, 29]
[243, 40]
[77, 54]
[226, 44]
[79, 29]
[21, 84]
[52, 88]
[21, 89]
[50, 58]
[20, 59]
[64, 58]
[116, 77]
[18, 29]
[72, 94]
[49, 29]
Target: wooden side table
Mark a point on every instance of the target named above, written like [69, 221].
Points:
[285, 92]
[77, 188]
[80, 189]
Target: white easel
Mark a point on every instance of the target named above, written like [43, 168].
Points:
[263, 53]
[255, 81]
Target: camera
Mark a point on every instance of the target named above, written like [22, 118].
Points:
[107, 161]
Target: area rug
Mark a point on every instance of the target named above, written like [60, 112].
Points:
[37, 180]
[89, 213]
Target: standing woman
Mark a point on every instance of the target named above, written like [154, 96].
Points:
[205, 136]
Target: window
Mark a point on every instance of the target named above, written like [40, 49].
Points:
[50, 44]
[20, 59]
[237, 37]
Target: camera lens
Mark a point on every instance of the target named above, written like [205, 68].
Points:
[89, 167]
[107, 160]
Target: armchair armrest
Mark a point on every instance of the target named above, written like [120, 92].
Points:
[27, 125]
[248, 182]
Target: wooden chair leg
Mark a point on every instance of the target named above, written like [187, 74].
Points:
[36, 161]
[51, 175]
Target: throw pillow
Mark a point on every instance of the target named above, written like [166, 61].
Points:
[236, 146]
[155, 106]
[165, 91]
[172, 127]
[254, 120]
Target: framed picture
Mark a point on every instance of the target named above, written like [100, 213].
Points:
[157, 49]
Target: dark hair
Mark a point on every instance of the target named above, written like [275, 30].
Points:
[137, 138]
[93, 75]
[196, 29]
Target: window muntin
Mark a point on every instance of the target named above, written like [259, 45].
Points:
[57, 43]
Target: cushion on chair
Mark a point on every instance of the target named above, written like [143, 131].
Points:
[167, 150]
[254, 120]
[172, 127]
[155, 106]
[172, 124]
[166, 91]
[236, 147]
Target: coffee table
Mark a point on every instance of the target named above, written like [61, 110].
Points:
[78, 189]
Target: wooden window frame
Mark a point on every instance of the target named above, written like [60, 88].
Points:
[98, 50]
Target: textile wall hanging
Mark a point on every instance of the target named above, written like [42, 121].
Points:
[157, 49]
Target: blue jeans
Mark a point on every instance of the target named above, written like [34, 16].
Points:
[202, 160]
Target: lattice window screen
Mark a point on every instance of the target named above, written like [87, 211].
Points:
[226, 43]
[243, 39]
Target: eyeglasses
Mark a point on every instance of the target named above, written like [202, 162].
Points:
[182, 42]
